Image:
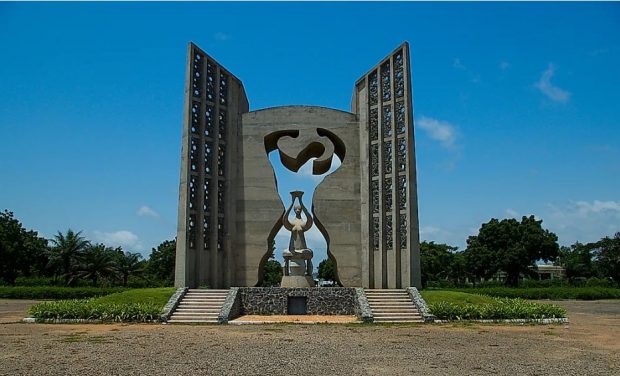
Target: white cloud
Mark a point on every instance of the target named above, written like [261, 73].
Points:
[504, 65]
[221, 36]
[584, 221]
[585, 208]
[429, 230]
[145, 211]
[512, 213]
[456, 63]
[122, 238]
[553, 92]
[439, 130]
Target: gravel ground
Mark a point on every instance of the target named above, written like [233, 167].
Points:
[590, 345]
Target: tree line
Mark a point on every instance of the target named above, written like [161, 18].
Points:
[505, 246]
[513, 248]
[69, 259]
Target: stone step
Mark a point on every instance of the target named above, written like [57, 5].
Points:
[385, 291]
[396, 309]
[388, 314]
[399, 307]
[199, 306]
[199, 309]
[387, 294]
[199, 294]
[205, 321]
[177, 315]
[399, 321]
[206, 300]
[399, 317]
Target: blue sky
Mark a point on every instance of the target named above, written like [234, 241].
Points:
[516, 106]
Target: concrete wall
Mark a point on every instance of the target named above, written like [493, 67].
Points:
[259, 208]
[231, 239]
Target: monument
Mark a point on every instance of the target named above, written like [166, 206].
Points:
[298, 258]
[229, 207]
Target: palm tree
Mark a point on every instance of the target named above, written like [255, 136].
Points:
[66, 249]
[98, 261]
[127, 263]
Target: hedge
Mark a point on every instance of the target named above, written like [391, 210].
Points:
[498, 309]
[553, 293]
[138, 305]
[55, 292]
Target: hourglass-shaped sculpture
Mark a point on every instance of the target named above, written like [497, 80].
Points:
[298, 257]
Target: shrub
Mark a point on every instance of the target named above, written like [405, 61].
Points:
[528, 283]
[36, 281]
[54, 292]
[138, 305]
[554, 293]
[599, 282]
[90, 309]
[498, 309]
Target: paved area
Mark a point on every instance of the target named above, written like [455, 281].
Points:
[589, 345]
[14, 310]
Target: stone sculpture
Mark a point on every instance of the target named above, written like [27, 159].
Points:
[229, 207]
[298, 257]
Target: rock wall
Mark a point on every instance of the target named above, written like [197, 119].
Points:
[320, 301]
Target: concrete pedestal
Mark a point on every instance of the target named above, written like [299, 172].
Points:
[297, 281]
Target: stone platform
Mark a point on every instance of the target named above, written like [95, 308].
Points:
[295, 281]
[273, 301]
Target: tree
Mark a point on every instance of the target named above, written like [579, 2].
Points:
[127, 264]
[436, 261]
[577, 260]
[272, 273]
[608, 257]
[20, 250]
[327, 270]
[66, 251]
[510, 246]
[97, 261]
[161, 262]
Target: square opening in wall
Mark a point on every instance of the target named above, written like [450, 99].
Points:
[297, 305]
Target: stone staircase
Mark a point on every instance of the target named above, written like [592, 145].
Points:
[199, 306]
[392, 306]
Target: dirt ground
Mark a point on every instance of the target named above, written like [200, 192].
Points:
[588, 345]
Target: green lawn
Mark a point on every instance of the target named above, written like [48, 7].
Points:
[137, 305]
[157, 296]
[455, 305]
[454, 297]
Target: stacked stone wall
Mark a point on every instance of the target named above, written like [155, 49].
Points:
[320, 301]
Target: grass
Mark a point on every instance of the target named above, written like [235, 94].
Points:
[454, 297]
[137, 305]
[158, 296]
[54, 292]
[455, 305]
[553, 293]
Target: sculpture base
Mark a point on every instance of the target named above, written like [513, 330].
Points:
[297, 281]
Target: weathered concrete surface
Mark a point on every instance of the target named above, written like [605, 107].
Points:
[259, 208]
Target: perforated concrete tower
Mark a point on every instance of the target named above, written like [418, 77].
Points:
[229, 207]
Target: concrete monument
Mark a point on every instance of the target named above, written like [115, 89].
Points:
[298, 257]
[229, 207]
